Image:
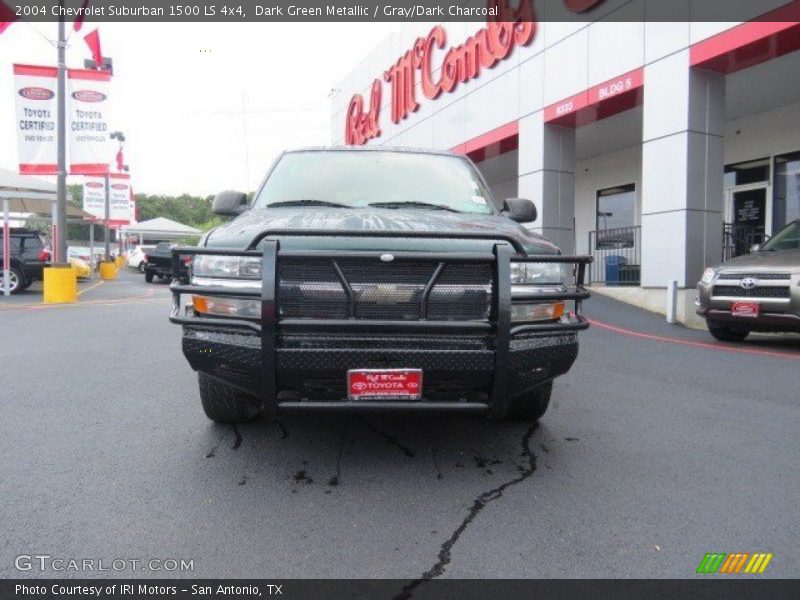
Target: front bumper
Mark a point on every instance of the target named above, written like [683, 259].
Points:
[303, 363]
[776, 314]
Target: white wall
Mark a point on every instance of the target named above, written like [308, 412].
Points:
[763, 134]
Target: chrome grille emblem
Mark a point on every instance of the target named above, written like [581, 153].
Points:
[387, 257]
[749, 283]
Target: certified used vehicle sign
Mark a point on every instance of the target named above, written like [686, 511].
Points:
[384, 384]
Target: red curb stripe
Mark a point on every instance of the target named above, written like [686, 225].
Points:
[703, 345]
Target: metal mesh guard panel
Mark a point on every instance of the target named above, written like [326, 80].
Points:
[310, 290]
[381, 290]
[463, 292]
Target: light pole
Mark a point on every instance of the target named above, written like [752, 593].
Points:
[60, 243]
[120, 137]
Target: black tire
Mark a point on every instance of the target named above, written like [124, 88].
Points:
[225, 404]
[141, 267]
[148, 277]
[726, 334]
[17, 281]
[531, 406]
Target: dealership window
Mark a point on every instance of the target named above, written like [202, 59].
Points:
[786, 192]
[753, 171]
[616, 207]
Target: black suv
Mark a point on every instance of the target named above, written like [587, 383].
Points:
[377, 279]
[29, 255]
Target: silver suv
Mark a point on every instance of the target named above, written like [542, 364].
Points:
[756, 292]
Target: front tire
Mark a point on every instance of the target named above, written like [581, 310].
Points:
[225, 404]
[141, 267]
[16, 282]
[148, 277]
[726, 334]
[532, 405]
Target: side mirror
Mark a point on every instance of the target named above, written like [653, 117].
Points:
[755, 247]
[520, 210]
[229, 203]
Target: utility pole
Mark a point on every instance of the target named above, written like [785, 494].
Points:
[106, 217]
[60, 245]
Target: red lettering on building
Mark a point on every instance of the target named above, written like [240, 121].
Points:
[361, 126]
[510, 27]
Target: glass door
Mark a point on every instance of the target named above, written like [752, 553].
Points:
[748, 217]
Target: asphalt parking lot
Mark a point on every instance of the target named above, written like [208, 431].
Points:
[661, 445]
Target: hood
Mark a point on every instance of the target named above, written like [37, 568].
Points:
[242, 231]
[784, 260]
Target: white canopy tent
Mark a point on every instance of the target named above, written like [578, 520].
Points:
[160, 228]
[27, 195]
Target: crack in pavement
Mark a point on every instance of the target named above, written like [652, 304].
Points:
[335, 480]
[445, 550]
[282, 427]
[391, 439]
[238, 441]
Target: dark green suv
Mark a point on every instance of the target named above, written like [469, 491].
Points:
[377, 279]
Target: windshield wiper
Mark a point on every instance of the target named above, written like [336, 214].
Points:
[413, 205]
[308, 202]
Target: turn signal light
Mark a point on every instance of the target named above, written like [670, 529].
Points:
[527, 312]
[227, 307]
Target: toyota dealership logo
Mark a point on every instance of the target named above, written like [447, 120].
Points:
[119, 186]
[88, 96]
[94, 184]
[749, 283]
[36, 93]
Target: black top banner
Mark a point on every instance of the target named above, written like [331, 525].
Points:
[387, 589]
[232, 11]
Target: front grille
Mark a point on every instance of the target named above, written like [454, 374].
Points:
[365, 288]
[757, 292]
[762, 276]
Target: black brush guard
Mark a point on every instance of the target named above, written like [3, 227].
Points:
[498, 325]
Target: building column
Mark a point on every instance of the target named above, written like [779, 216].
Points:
[547, 176]
[682, 170]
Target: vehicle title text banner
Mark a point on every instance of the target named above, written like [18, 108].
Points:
[435, 11]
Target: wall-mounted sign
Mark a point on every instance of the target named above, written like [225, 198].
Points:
[90, 149]
[121, 206]
[35, 99]
[509, 26]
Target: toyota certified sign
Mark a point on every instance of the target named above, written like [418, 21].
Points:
[35, 103]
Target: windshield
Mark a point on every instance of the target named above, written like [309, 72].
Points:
[358, 179]
[787, 238]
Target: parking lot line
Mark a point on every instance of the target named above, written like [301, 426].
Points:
[148, 296]
[91, 287]
[702, 345]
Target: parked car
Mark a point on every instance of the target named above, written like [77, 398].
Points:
[136, 255]
[82, 268]
[30, 253]
[378, 279]
[158, 263]
[759, 291]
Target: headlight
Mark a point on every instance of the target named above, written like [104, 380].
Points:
[236, 267]
[529, 273]
[708, 275]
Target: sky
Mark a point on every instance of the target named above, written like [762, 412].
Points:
[182, 94]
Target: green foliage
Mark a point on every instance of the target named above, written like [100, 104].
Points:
[189, 210]
[194, 211]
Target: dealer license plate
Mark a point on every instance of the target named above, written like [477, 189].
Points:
[384, 384]
[745, 309]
